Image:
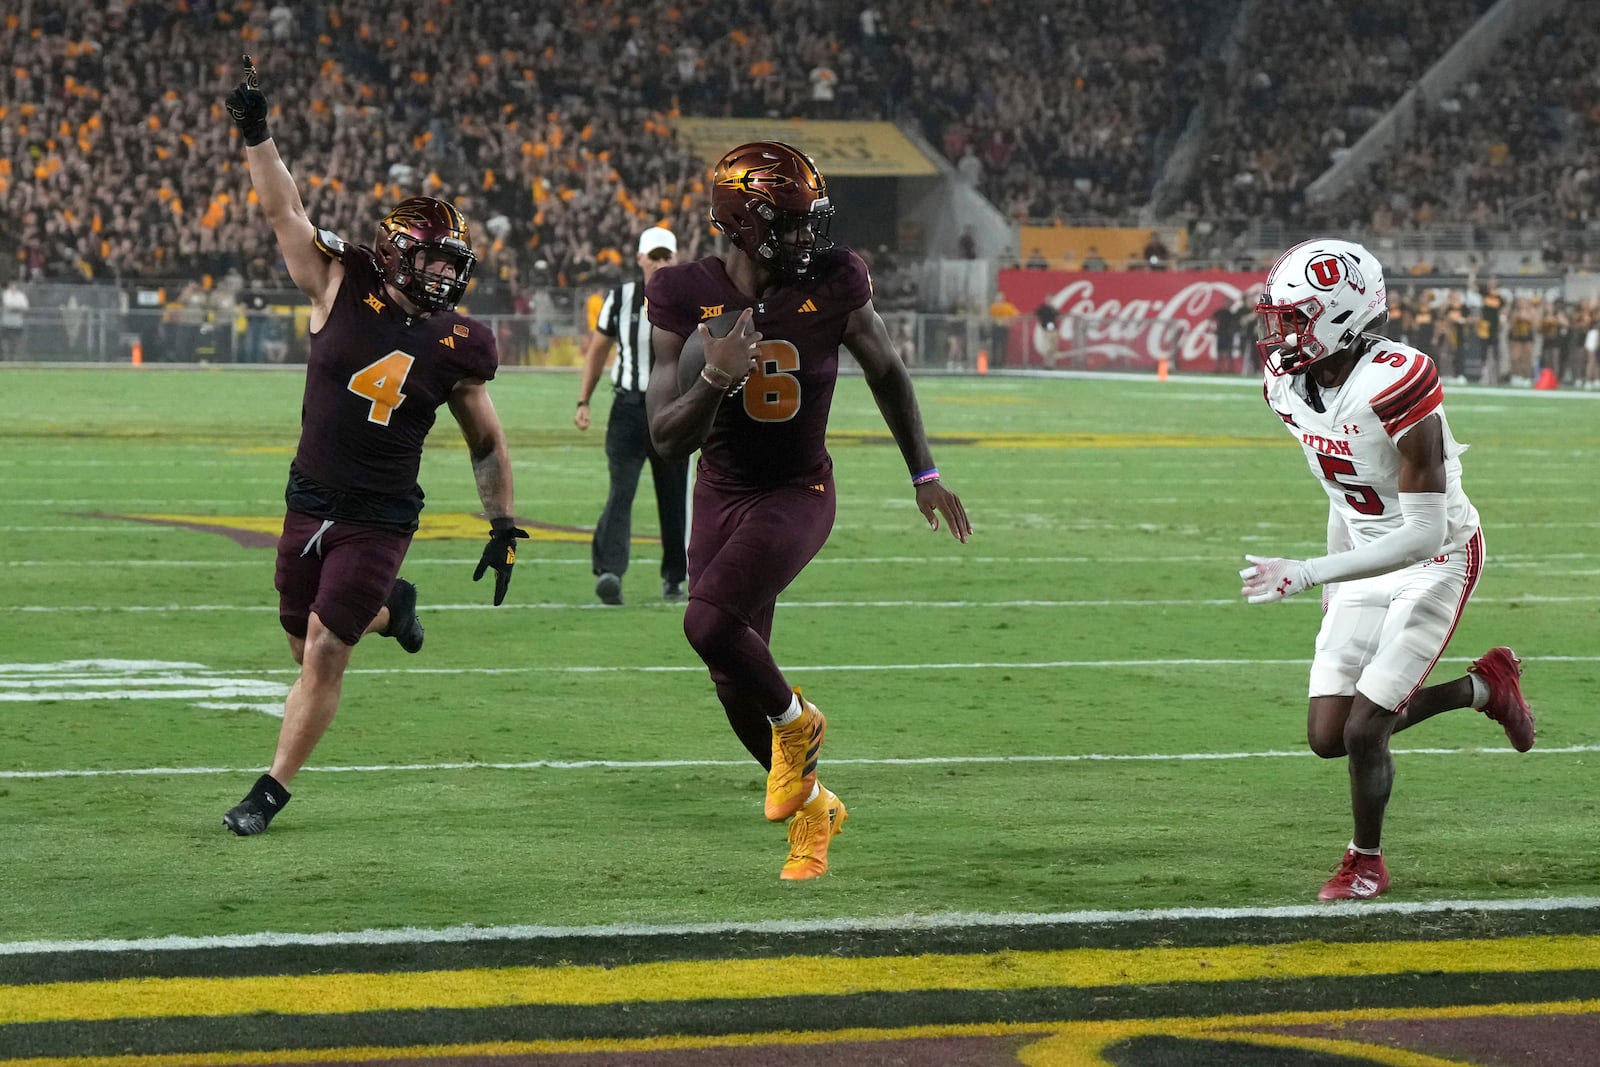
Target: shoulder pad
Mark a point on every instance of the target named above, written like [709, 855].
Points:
[329, 244]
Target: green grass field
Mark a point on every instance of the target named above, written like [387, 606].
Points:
[1073, 711]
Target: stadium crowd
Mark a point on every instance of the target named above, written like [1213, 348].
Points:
[1511, 146]
[551, 127]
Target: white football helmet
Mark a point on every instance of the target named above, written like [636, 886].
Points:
[1320, 296]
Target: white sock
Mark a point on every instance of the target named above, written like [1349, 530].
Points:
[1366, 851]
[816, 791]
[788, 716]
[1480, 691]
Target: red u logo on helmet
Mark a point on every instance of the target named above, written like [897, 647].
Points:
[1324, 273]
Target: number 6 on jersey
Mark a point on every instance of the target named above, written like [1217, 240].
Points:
[380, 382]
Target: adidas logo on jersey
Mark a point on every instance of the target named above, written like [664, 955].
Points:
[448, 342]
[807, 306]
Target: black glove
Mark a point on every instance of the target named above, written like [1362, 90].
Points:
[248, 107]
[501, 554]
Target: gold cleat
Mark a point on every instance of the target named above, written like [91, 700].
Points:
[810, 832]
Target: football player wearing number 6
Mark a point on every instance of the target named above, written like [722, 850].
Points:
[387, 351]
[1404, 547]
[755, 401]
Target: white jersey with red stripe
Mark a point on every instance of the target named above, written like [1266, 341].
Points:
[1351, 445]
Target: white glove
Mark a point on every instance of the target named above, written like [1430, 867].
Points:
[1269, 579]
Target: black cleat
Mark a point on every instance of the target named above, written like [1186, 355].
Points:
[608, 587]
[671, 590]
[254, 813]
[404, 626]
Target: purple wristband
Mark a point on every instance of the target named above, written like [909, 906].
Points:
[929, 475]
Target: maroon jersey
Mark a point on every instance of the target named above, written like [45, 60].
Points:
[772, 432]
[374, 384]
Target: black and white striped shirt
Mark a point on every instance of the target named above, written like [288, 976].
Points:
[622, 317]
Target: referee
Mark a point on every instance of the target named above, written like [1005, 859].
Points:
[623, 321]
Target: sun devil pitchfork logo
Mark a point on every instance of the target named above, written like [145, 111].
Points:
[1325, 272]
[761, 180]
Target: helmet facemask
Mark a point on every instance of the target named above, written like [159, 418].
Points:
[1288, 342]
[791, 241]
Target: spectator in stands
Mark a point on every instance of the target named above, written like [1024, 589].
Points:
[1094, 261]
[1519, 340]
[1156, 255]
[1036, 260]
[13, 320]
[969, 168]
[1555, 341]
[1488, 332]
[1225, 321]
[967, 244]
[824, 90]
[1589, 324]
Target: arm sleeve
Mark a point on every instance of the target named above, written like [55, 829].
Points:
[1421, 534]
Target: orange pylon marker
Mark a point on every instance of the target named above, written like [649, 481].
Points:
[983, 361]
[1162, 369]
[138, 353]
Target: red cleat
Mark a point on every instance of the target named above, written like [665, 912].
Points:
[1359, 877]
[1501, 670]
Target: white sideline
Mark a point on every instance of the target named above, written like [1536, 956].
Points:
[263, 562]
[412, 935]
[884, 761]
[1144, 602]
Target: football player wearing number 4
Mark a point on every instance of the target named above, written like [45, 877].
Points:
[387, 351]
[1404, 547]
[757, 407]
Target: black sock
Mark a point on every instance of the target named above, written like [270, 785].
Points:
[269, 793]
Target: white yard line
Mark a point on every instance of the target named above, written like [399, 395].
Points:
[1541, 561]
[963, 605]
[672, 764]
[413, 935]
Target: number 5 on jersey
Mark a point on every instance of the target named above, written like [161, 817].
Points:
[380, 382]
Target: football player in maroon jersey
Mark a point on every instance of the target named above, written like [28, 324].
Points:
[388, 349]
[757, 407]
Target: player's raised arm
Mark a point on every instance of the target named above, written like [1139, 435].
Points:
[868, 341]
[313, 271]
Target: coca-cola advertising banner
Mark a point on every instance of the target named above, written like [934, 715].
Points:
[1131, 320]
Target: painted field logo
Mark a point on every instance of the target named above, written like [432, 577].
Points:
[138, 679]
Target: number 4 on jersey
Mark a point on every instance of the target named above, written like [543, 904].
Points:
[380, 383]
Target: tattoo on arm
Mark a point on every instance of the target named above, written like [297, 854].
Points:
[493, 484]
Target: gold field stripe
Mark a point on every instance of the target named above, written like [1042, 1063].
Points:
[1061, 1043]
[794, 976]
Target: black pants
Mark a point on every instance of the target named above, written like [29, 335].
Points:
[627, 448]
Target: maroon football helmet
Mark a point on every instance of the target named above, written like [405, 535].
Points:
[771, 201]
[419, 230]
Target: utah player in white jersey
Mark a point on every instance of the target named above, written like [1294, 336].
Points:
[1404, 547]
